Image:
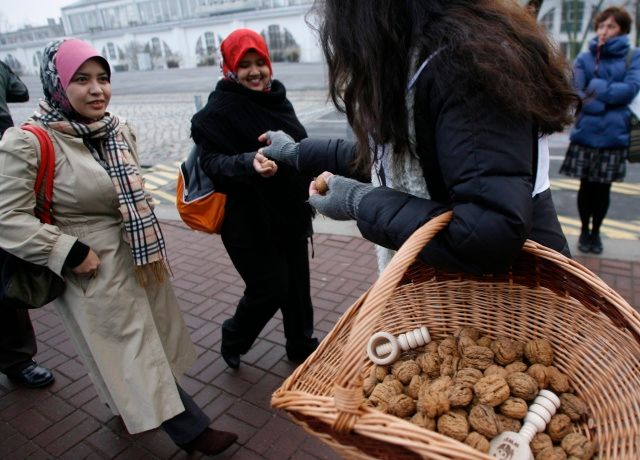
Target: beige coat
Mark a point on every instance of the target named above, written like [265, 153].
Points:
[133, 340]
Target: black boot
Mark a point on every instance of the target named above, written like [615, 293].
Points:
[596, 243]
[210, 442]
[584, 242]
[227, 348]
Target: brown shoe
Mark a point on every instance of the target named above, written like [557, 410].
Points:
[210, 442]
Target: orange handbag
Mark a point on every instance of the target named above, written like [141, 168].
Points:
[200, 206]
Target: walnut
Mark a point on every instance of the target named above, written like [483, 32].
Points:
[539, 351]
[540, 442]
[402, 406]
[432, 347]
[467, 376]
[516, 366]
[383, 392]
[369, 384]
[321, 185]
[551, 453]
[394, 382]
[471, 332]
[449, 365]
[465, 342]
[459, 395]
[405, 370]
[506, 350]
[577, 445]
[483, 419]
[522, 386]
[381, 372]
[559, 426]
[430, 364]
[494, 369]
[454, 424]
[477, 441]
[539, 374]
[484, 341]
[558, 381]
[508, 423]
[423, 421]
[433, 404]
[440, 384]
[491, 390]
[413, 389]
[448, 347]
[573, 406]
[478, 357]
[514, 408]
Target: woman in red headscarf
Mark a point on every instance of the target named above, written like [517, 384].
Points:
[267, 218]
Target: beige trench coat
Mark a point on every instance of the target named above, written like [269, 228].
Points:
[133, 340]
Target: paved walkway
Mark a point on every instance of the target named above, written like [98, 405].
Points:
[68, 421]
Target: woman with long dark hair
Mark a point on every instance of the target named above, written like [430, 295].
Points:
[607, 77]
[447, 99]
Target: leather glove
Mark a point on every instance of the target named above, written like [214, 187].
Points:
[282, 148]
[342, 199]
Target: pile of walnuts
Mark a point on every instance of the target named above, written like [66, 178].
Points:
[471, 388]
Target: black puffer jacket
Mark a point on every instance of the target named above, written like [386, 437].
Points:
[477, 161]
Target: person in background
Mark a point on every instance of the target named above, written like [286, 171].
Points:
[607, 77]
[118, 305]
[447, 99]
[17, 339]
[267, 220]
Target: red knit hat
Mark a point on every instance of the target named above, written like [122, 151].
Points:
[237, 44]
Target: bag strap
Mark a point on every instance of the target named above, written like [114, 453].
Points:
[46, 171]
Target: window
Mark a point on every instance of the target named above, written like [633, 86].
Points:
[111, 51]
[572, 16]
[547, 19]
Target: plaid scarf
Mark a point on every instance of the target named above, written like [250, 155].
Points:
[142, 228]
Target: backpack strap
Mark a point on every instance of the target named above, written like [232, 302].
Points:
[46, 171]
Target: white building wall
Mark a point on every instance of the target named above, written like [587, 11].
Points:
[182, 36]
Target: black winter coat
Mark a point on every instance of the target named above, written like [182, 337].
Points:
[258, 209]
[477, 161]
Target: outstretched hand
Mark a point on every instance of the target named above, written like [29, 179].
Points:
[280, 147]
[264, 166]
[342, 198]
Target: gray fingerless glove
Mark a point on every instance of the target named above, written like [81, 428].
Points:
[342, 199]
[282, 148]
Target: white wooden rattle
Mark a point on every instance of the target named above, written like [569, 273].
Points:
[515, 446]
[383, 348]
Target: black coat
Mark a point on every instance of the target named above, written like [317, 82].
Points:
[227, 129]
[12, 89]
[477, 161]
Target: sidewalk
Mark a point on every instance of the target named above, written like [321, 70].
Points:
[68, 421]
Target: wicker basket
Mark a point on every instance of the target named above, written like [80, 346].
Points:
[595, 333]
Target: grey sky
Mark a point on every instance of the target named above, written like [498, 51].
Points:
[17, 13]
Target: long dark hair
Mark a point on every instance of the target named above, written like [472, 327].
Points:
[494, 46]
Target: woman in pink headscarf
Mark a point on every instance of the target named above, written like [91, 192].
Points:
[118, 305]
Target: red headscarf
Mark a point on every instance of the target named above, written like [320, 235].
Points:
[236, 45]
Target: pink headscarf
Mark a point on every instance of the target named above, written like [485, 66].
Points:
[71, 55]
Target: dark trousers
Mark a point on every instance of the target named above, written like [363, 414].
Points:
[187, 425]
[17, 339]
[276, 276]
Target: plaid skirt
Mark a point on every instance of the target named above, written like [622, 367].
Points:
[595, 165]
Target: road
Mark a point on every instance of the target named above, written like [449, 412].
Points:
[159, 104]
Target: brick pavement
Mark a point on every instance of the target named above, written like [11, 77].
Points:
[67, 420]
